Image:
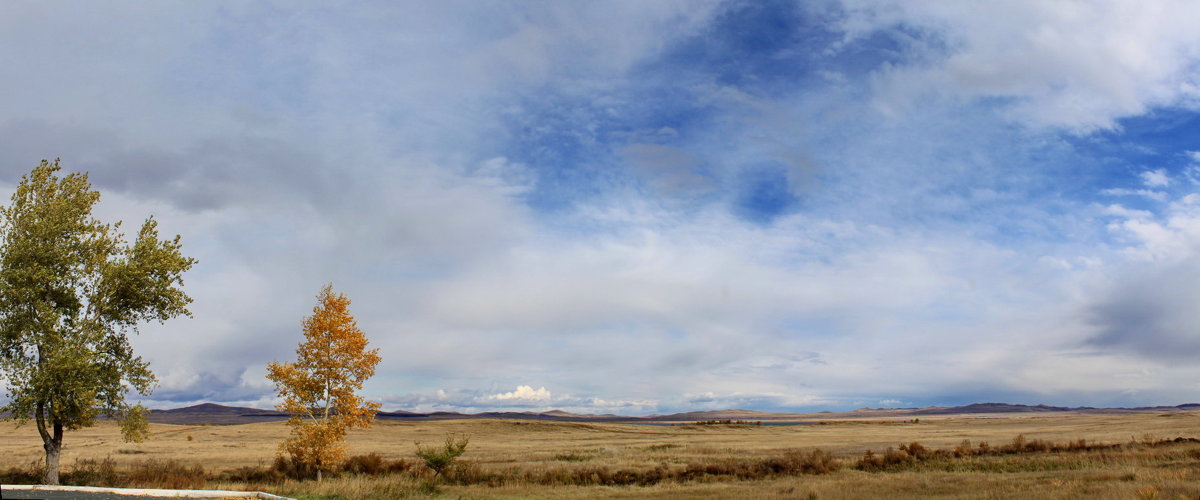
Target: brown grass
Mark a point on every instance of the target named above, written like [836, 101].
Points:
[1065, 456]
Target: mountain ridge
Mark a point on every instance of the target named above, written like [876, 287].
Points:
[217, 414]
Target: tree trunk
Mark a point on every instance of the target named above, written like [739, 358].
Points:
[318, 474]
[51, 442]
[53, 451]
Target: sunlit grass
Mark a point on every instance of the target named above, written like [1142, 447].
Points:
[1071, 456]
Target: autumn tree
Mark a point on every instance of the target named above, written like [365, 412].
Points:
[71, 291]
[319, 390]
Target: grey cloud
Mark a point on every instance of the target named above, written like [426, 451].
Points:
[1080, 68]
[353, 155]
[210, 174]
[219, 173]
[213, 386]
[1151, 314]
[672, 171]
[26, 141]
[710, 401]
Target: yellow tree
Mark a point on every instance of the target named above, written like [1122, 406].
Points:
[319, 388]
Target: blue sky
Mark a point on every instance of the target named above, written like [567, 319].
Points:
[643, 207]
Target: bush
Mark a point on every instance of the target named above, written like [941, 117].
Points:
[892, 459]
[442, 458]
[792, 462]
[914, 452]
[168, 474]
[572, 457]
[798, 462]
[31, 474]
[372, 464]
[88, 472]
[291, 468]
[249, 474]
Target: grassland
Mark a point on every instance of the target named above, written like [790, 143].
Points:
[524, 459]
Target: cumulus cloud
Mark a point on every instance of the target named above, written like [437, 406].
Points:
[522, 393]
[524, 398]
[1155, 178]
[1147, 306]
[1079, 66]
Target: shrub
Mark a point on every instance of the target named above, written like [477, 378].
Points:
[1021, 445]
[917, 451]
[797, 462]
[572, 457]
[372, 464]
[439, 459]
[168, 474]
[914, 452]
[31, 474]
[249, 474]
[89, 472]
[293, 469]
[792, 462]
[892, 459]
[662, 446]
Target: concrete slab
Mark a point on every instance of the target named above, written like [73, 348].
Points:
[96, 493]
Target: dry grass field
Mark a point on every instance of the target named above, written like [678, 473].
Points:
[527, 459]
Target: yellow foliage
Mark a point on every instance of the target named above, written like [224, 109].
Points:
[319, 388]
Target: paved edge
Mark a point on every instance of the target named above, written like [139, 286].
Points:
[148, 492]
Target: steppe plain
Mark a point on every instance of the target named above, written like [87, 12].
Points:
[510, 452]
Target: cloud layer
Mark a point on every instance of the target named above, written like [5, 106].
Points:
[642, 207]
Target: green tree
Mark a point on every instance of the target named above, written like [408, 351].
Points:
[71, 291]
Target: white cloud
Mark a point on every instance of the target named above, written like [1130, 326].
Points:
[522, 393]
[1156, 178]
[1146, 193]
[1120, 211]
[1076, 65]
[345, 145]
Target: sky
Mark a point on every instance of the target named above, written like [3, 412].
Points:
[642, 207]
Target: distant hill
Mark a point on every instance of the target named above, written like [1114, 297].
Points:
[210, 413]
[993, 408]
[215, 414]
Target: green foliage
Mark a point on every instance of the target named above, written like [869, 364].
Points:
[440, 459]
[134, 426]
[71, 290]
